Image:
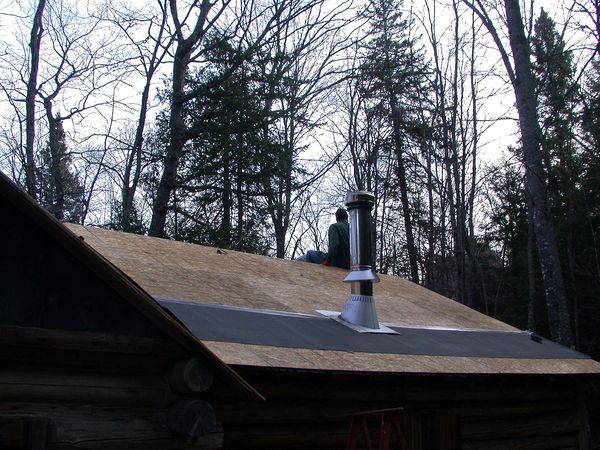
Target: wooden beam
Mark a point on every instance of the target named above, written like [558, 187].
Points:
[85, 427]
[585, 433]
[90, 388]
[25, 337]
[23, 432]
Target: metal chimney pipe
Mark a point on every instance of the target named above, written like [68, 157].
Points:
[360, 307]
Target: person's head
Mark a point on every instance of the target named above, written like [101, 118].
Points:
[341, 214]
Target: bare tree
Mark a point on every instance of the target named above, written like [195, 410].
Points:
[248, 23]
[519, 72]
[199, 17]
[301, 68]
[148, 36]
[35, 42]
[78, 68]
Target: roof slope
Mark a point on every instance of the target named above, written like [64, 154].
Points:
[195, 274]
[171, 269]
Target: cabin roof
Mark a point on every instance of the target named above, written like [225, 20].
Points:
[252, 310]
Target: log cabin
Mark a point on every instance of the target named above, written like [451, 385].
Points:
[111, 340]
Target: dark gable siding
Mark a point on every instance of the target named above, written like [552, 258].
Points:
[42, 285]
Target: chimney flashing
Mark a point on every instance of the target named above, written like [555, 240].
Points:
[362, 275]
[335, 315]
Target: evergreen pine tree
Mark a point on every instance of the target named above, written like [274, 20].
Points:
[557, 95]
[573, 165]
[219, 176]
[393, 75]
[60, 191]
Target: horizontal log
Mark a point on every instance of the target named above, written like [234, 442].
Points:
[36, 338]
[549, 424]
[404, 389]
[316, 436]
[22, 347]
[75, 426]
[61, 387]
[308, 411]
[97, 428]
[81, 361]
[565, 442]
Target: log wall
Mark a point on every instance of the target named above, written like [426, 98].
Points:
[75, 390]
[305, 410]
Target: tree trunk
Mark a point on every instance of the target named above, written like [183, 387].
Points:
[57, 207]
[531, 305]
[471, 241]
[225, 231]
[457, 180]
[431, 219]
[556, 300]
[571, 256]
[239, 194]
[177, 140]
[401, 174]
[178, 132]
[133, 168]
[34, 44]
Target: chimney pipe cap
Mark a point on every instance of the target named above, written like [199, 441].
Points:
[356, 199]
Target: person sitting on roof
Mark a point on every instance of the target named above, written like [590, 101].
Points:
[338, 254]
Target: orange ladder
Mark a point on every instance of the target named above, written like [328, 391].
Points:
[388, 419]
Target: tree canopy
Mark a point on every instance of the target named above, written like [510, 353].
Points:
[242, 125]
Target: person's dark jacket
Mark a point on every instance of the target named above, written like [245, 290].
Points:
[339, 244]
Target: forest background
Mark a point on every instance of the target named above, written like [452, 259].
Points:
[242, 124]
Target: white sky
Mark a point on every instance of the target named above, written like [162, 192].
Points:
[493, 142]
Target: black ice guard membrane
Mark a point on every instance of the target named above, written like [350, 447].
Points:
[290, 330]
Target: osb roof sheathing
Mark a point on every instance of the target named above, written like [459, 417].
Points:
[166, 268]
[194, 273]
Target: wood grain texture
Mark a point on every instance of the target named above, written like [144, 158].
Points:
[195, 273]
[312, 410]
[76, 426]
[90, 388]
[259, 355]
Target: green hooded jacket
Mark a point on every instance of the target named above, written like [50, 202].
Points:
[339, 244]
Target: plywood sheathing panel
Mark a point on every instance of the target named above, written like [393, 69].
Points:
[195, 273]
[263, 356]
[190, 272]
